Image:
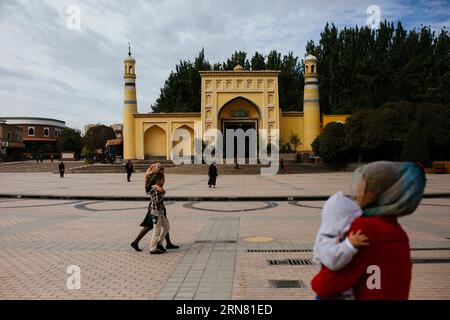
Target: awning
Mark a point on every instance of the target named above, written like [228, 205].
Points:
[114, 142]
[11, 145]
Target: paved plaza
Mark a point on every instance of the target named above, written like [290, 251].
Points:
[226, 247]
[177, 185]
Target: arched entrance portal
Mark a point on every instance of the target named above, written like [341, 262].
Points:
[190, 150]
[240, 113]
[155, 142]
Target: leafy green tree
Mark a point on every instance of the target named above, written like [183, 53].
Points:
[96, 137]
[181, 91]
[238, 57]
[378, 134]
[355, 133]
[361, 68]
[316, 146]
[415, 146]
[331, 144]
[70, 140]
[294, 140]
[258, 62]
[291, 83]
[273, 60]
[358, 69]
[86, 154]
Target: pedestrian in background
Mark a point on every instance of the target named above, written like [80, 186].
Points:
[282, 167]
[130, 169]
[212, 175]
[62, 169]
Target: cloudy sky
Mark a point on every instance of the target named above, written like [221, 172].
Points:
[50, 68]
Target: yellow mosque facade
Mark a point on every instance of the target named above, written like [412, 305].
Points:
[234, 99]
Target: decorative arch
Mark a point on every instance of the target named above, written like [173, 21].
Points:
[155, 142]
[191, 132]
[240, 98]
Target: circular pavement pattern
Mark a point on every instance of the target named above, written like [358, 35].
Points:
[214, 206]
[297, 204]
[86, 206]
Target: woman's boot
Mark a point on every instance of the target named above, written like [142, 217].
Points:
[135, 243]
[169, 244]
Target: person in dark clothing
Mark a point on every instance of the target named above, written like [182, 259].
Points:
[62, 169]
[212, 174]
[282, 168]
[130, 169]
[147, 223]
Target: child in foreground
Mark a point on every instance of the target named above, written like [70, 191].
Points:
[332, 248]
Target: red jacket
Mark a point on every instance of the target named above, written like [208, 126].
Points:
[389, 250]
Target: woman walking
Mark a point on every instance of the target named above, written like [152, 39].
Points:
[212, 174]
[147, 224]
[382, 270]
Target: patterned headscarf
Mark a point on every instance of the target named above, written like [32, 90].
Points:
[396, 188]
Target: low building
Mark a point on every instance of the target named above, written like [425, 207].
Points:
[11, 142]
[88, 126]
[114, 149]
[39, 135]
[118, 129]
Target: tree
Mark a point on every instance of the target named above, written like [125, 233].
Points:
[181, 91]
[70, 140]
[331, 144]
[273, 60]
[258, 62]
[316, 146]
[291, 83]
[378, 134]
[238, 58]
[96, 137]
[358, 69]
[361, 68]
[355, 133]
[85, 153]
[294, 139]
[415, 147]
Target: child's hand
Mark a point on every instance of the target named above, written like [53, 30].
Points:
[160, 189]
[358, 239]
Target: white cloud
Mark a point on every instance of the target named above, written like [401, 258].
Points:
[76, 75]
